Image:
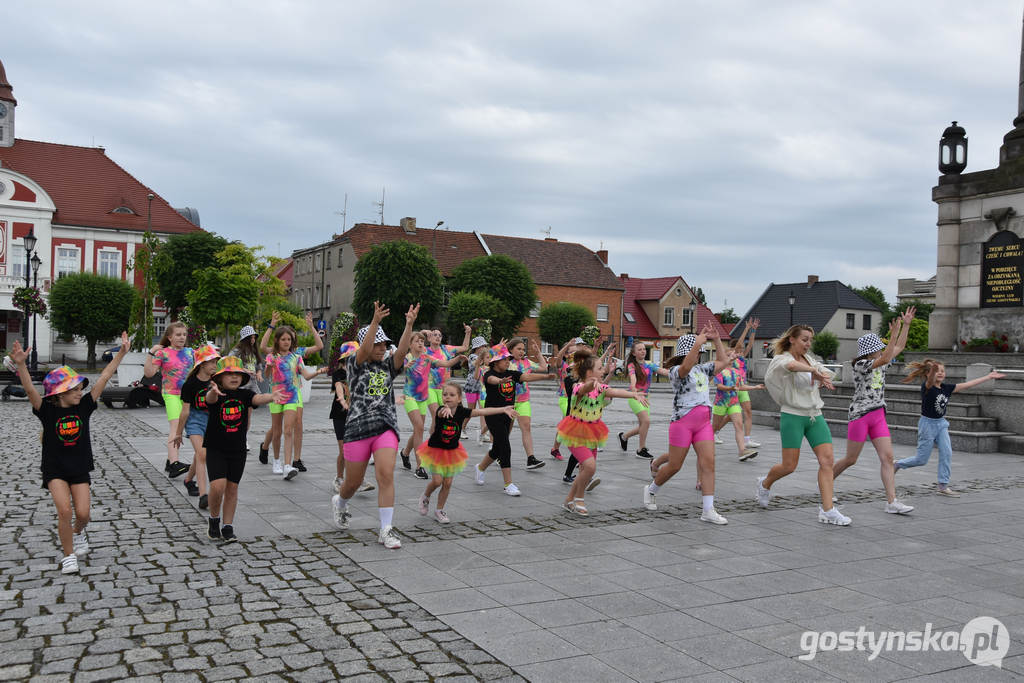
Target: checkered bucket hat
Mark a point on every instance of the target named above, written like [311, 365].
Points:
[685, 344]
[378, 338]
[869, 343]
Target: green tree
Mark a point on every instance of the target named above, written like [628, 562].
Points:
[917, 338]
[698, 294]
[397, 274]
[143, 265]
[466, 306]
[727, 316]
[226, 295]
[825, 344]
[505, 279]
[923, 311]
[558, 323]
[875, 296]
[92, 306]
[179, 260]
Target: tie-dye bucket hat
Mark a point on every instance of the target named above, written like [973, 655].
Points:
[62, 379]
[230, 364]
[347, 349]
[206, 352]
[499, 352]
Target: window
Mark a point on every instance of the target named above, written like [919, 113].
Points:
[629, 317]
[341, 263]
[67, 261]
[547, 349]
[316, 266]
[159, 325]
[535, 311]
[17, 261]
[316, 297]
[327, 297]
[327, 260]
[109, 263]
[686, 318]
[867, 321]
[602, 312]
[123, 209]
[670, 317]
[851, 321]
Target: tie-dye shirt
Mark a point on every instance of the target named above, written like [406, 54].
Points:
[284, 373]
[417, 377]
[726, 395]
[563, 374]
[590, 406]
[174, 365]
[741, 365]
[522, 367]
[438, 374]
[643, 382]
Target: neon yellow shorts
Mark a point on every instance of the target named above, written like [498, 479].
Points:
[523, 408]
[563, 403]
[638, 407]
[173, 406]
[434, 396]
[743, 396]
[727, 410]
[412, 404]
[276, 408]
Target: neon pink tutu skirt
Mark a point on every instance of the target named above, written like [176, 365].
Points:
[443, 461]
[576, 432]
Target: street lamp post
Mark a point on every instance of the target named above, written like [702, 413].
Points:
[792, 302]
[30, 245]
[433, 245]
[34, 360]
[693, 313]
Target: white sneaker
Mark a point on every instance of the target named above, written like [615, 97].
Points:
[289, 473]
[69, 565]
[593, 484]
[512, 490]
[718, 439]
[649, 502]
[833, 516]
[277, 466]
[366, 486]
[480, 476]
[341, 514]
[898, 508]
[753, 444]
[80, 544]
[713, 517]
[442, 516]
[764, 496]
[424, 505]
[464, 435]
[389, 538]
[747, 454]
[338, 481]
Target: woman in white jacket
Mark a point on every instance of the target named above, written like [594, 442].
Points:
[793, 380]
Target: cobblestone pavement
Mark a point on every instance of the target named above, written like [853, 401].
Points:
[516, 589]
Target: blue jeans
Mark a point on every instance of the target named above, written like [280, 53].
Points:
[931, 432]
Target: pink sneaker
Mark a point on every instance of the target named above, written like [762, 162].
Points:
[424, 505]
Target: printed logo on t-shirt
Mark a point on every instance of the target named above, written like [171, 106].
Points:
[200, 401]
[69, 429]
[378, 384]
[877, 379]
[507, 387]
[448, 429]
[231, 413]
[702, 383]
[940, 404]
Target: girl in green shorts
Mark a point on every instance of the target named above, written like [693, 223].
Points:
[793, 380]
[173, 360]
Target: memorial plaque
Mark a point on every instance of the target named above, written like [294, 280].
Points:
[1002, 264]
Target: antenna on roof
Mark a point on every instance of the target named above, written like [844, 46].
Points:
[547, 231]
[380, 205]
[343, 213]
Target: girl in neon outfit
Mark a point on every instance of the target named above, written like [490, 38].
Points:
[641, 374]
[523, 365]
[582, 429]
[174, 360]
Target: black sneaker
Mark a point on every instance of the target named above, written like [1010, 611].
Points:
[192, 487]
[644, 453]
[623, 442]
[299, 466]
[204, 502]
[213, 533]
[569, 478]
[421, 473]
[405, 461]
[177, 469]
[533, 463]
[167, 466]
[228, 534]
[264, 455]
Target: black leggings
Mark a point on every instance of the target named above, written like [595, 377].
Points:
[571, 465]
[500, 426]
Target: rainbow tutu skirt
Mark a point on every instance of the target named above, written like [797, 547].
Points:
[443, 461]
[575, 432]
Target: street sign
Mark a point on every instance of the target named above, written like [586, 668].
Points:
[321, 325]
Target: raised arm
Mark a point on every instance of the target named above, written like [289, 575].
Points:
[363, 352]
[275, 318]
[466, 340]
[150, 367]
[977, 381]
[108, 372]
[899, 328]
[406, 340]
[19, 356]
[318, 343]
[754, 324]
[721, 355]
[542, 362]
[691, 358]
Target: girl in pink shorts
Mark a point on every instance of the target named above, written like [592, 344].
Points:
[582, 429]
[691, 420]
[867, 407]
[372, 424]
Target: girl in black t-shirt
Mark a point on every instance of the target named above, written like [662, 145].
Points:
[442, 455]
[194, 418]
[64, 409]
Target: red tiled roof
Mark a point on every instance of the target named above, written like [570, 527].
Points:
[285, 272]
[652, 289]
[6, 91]
[86, 185]
[704, 316]
[449, 247]
[562, 264]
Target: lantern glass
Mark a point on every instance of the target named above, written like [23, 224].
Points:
[30, 241]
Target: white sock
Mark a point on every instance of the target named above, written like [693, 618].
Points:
[708, 502]
[746, 439]
[653, 488]
[342, 503]
[386, 515]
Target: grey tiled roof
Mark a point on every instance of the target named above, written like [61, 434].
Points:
[815, 305]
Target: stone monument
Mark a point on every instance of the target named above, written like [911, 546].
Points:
[979, 289]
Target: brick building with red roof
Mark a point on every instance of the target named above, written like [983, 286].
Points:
[85, 211]
[324, 274]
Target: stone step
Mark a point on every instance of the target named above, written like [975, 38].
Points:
[1013, 443]
[968, 442]
[949, 359]
[910, 419]
[906, 405]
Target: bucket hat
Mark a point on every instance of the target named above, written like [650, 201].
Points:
[230, 364]
[869, 343]
[62, 379]
[378, 338]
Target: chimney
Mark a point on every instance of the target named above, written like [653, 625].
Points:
[550, 239]
[811, 279]
[603, 255]
[624, 276]
[408, 225]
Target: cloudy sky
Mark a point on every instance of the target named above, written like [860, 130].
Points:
[735, 143]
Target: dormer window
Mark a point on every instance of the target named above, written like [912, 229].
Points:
[123, 209]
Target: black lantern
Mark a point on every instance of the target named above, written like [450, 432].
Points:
[792, 302]
[693, 314]
[953, 150]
